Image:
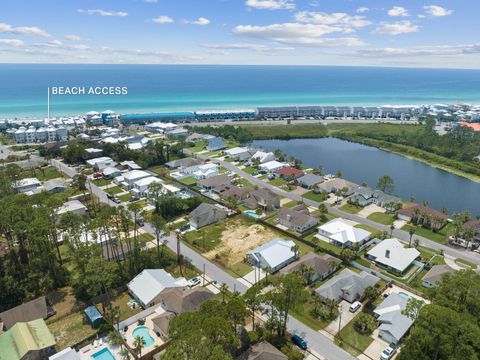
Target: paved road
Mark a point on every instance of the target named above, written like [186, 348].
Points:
[318, 343]
[400, 234]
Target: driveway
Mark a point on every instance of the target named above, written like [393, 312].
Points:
[347, 316]
[376, 347]
[369, 210]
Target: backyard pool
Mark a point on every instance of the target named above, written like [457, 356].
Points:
[404, 295]
[104, 354]
[143, 332]
[253, 214]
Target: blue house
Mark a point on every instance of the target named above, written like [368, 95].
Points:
[215, 143]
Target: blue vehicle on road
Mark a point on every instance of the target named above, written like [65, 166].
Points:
[300, 342]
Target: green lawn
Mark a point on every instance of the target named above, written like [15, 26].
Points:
[352, 341]
[43, 174]
[291, 204]
[352, 209]
[439, 237]
[278, 182]
[125, 197]
[322, 244]
[250, 170]
[113, 190]
[102, 182]
[366, 227]
[243, 183]
[206, 238]
[382, 218]
[240, 269]
[189, 181]
[70, 330]
[318, 197]
[303, 314]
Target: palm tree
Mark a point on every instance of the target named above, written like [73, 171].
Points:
[125, 354]
[223, 291]
[469, 235]
[138, 344]
[392, 227]
[411, 232]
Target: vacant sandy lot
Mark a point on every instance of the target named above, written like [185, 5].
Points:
[238, 238]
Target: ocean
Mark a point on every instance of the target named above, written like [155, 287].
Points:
[163, 88]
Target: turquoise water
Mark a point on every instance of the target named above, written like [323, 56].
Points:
[23, 87]
[253, 214]
[143, 332]
[103, 354]
[404, 295]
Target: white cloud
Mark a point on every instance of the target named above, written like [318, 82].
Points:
[103, 12]
[201, 21]
[271, 4]
[346, 22]
[432, 50]
[398, 11]
[437, 11]
[363, 10]
[163, 19]
[244, 46]
[12, 42]
[297, 34]
[73, 37]
[23, 30]
[396, 28]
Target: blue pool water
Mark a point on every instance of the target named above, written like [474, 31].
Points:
[253, 214]
[103, 354]
[404, 295]
[143, 332]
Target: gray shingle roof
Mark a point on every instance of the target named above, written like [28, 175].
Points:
[346, 281]
[389, 314]
[310, 179]
[436, 273]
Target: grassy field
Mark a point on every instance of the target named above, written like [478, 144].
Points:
[189, 181]
[352, 341]
[250, 170]
[318, 197]
[280, 131]
[366, 227]
[382, 218]
[43, 174]
[102, 182]
[70, 330]
[352, 209]
[125, 197]
[303, 314]
[278, 182]
[113, 190]
[207, 238]
[439, 237]
[463, 262]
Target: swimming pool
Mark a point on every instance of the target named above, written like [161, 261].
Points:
[104, 354]
[143, 332]
[404, 295]
[253, 214]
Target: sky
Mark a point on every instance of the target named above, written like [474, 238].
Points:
[403, 33]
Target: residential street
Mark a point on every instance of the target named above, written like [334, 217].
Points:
[399, 234]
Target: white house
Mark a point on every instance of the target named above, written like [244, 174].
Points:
[272, 166]
[391, 255]
[28, 184]
[342, 234]
[130, 177]
[147, 286]
[111, 172]
[273, 255]
[141, 186]
[263, 157]
[160, 127]
[238, 153]
[72, 206]
[101, 162]
[202, 171]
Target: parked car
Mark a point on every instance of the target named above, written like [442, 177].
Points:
[97, 175]
[355, 306]
[116, 200]
[388, 353]
[193, 282]
[300, 342]
[110, 196]
[140, 221]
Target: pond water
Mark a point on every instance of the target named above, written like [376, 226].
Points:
[360, 163]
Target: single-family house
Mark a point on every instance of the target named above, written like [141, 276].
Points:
[27, 341]
[263, 199]
[32, 310]
[213, 182]
[93, 152]
[309, 181]
[391, 255]
[101, 163]
[55, 185]
[289, 173]
[182, 163]
[272, 166]
[319, 267]
[206, 214]
[131, 177]
[129, 165]
[27, 184]
[340, 233]
[337, 184]
[111, 172]
[204, 171]
[147, 287]
[262, 157]
[273, 255]
[238, 153]
[297, 218]
[227, 192]
[215, 143]
[141, 186]
[422, 214]
[435, 275]
[364, 196]
[474, 225]
[72, 206]
[393, 324]
[177, 133]
[161, 323]
[262, 350]
[347, 285]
